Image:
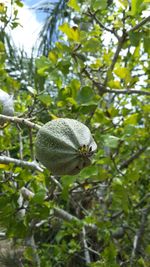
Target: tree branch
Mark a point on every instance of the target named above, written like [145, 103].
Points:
[62, 214]
[139, 235]
[21, 163]
[20, 121]
[93, 16]
[102, 89]
[136, 27]
[2, 235]
[122, 39]
[118, 49]
[125, 91]
[56, 182]
[85, 246]
[127, 162]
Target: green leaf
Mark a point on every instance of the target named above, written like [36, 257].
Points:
[71, 101]
[131, 119]
[123, 73]
[53, 57]
[111, 141]
[88, 172]
[67, 181]
[45, 99]
[85, 95]
[114, 84]
[99, 4]
[97, 64]
[19, 3]
[136, 6]
[39, 197]
[43, 65]
[109, 254]
[64, 65]
[133, 174]
[135, 38]
[75, 86]
[42, 62]
[147, 44]
[129, 129]
[125, 3]
[74, 5]
[72, 33]
[91, 45]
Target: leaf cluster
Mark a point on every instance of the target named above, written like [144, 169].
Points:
[96, 72]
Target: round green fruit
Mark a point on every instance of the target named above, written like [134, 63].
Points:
[64, 146]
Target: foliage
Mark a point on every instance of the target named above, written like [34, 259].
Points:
[98, 73]
[56, 13]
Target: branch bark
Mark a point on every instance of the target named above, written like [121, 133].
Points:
[118, 49]
[85, 246]
[64, 215]
[20, 121]
[126, 91]
[21, 163]
[102, 89]
[136, 27]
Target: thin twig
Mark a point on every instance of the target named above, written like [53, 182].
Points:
[102, 89]
[21, 163]
[20, 121]
[37, 225]
[126, 91]
[127, 162]
[31, 144]
[136, 27]
[20, 145]
[85, 245]
[121, 41]
[62, 214]
[93, 16]
[118, 49]
[139, 234]
[56, 182]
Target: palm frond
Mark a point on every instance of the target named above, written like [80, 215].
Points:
[55, 15]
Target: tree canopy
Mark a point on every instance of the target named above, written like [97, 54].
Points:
[97, 72]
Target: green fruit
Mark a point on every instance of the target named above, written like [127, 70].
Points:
[6, 105]
[64, 146]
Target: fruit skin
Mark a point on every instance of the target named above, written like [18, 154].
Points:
[6, 101]
[6, 105]
[64, 146]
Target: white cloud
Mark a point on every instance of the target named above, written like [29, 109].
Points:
[25, 36]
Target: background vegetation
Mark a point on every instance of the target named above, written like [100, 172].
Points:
[96, 70]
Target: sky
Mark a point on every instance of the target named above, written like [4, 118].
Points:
[25, 36]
